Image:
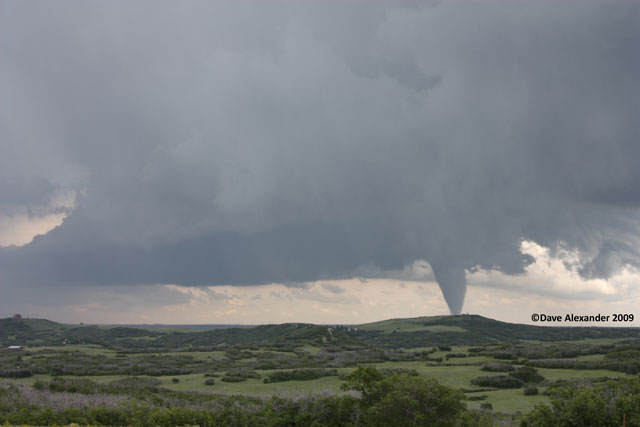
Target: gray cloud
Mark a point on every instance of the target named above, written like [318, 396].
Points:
[333, 288]
[246, 142]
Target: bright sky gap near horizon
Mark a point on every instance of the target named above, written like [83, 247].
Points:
[327, 162]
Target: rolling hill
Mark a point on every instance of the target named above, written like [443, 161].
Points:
[473, 330]
[408, 333]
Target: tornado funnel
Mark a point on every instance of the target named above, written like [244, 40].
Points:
[453, 285]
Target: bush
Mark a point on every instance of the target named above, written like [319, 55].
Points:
[497, 381]
[16, 373]
[395, 400]
[579, 407]
[402, 400]
[228, 379]
[530, 390]
[299, 375]
[396, 371]
[498, 367]
[527, 374]
[486, 406]
[175, 380]
[504, 355]
[242, 373]
[69, 385]
[455, 355]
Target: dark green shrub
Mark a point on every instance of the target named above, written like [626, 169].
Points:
[592, 403]
[242, 373]
[299, 375]
[530, 390]
[527, 374]
[69, 385]
[228, 379]
[497, 381]
[175, 380]
[455, 355]
[397, 371]
[210, 381]
[402, 400]
[504, 355]
[498, 367]
[16, 373]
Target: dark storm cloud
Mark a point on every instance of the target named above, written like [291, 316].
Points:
[252, 142]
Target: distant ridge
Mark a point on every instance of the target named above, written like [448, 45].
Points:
[181, 327]
[474, 329]
[411, 332]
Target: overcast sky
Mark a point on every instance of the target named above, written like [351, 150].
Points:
[252, 161]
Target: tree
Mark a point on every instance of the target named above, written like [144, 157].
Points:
[527, 374]
[591, 404]
[366, 380]
[403, 400]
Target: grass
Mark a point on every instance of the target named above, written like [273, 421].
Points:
[84, 348]
[45, 325]
[594, 341]
[408, 325]
[197, 355]
[255, 386]
[474, 360]
[459, 373]
[311, 349]
[170, 330]
[591, 357]
[506, 401]
[509, 400]
[461, 376]
[564, 374]
[99, 379]
[453, 376]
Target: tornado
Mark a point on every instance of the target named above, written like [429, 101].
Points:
[453, 284]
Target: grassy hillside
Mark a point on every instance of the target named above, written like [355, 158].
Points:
[44, 324]
[473, 330]
[410, 325]
[183, 327]
[28, 331]
[34, 332]
[290, 335]
[393, 333]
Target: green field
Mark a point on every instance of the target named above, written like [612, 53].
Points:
[454, 350]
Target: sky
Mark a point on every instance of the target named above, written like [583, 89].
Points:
[318, 161]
